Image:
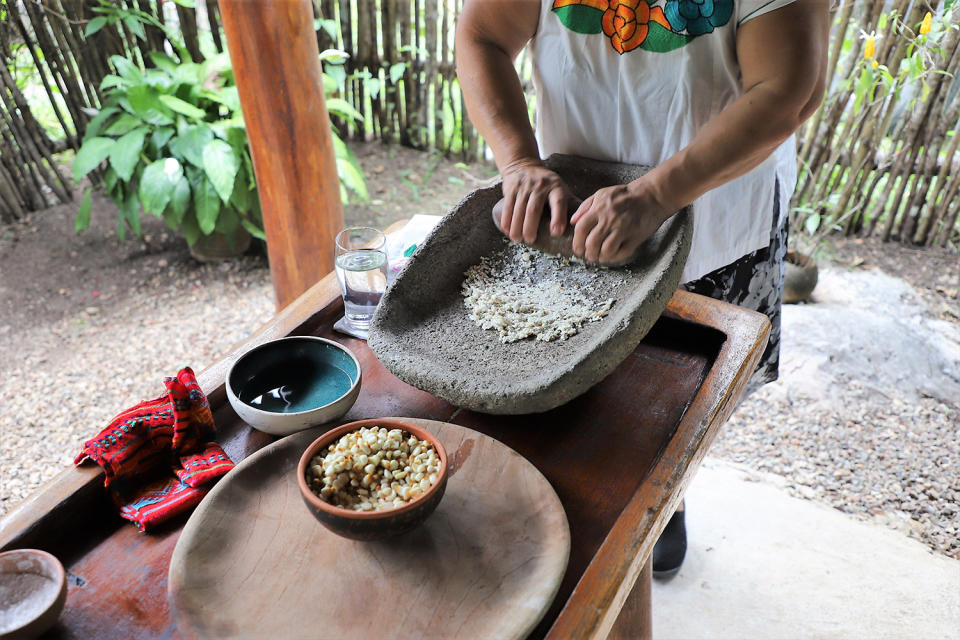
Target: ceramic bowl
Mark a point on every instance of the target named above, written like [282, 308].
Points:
[383, 523]
[33, 589]
[287, 385]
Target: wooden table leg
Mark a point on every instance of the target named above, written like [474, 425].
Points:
[635, 621]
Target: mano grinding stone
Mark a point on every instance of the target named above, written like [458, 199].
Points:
[423, 334]
[561, 245]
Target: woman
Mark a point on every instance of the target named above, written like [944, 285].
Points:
[710, 92]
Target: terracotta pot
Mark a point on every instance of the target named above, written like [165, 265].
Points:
[800, 278]
[218, 247]
[382, 523]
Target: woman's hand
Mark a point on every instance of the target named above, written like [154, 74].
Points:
[527, 188]
[614, 221]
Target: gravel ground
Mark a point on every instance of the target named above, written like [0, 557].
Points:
[82, 370]
[865, 416]
[79, 352]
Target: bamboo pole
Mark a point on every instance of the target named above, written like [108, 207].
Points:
[277, 69]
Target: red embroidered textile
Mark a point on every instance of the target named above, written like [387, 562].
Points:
[160, 457]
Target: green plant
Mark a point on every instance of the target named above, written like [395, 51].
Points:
[175, 144]
[348, 168]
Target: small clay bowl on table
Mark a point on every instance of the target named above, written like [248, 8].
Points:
[288, 385]
[381, 523]
[33, 589]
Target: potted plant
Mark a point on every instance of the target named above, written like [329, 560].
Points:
[174, 143]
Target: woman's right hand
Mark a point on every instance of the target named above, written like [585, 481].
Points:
[528, 187]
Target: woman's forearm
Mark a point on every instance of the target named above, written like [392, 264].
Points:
[734, 142]
[489, 82]
[783, 62]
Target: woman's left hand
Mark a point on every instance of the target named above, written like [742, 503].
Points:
[614, 221]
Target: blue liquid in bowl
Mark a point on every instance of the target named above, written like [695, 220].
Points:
[291, 380]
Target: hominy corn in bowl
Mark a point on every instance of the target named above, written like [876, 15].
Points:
[373, 479]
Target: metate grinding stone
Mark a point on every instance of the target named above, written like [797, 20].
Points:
[423, 334]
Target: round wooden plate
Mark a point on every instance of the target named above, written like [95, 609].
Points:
[253, 563]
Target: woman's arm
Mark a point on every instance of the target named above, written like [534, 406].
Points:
[783, 58]
[490, 34]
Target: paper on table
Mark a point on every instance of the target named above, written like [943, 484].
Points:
[401, 244]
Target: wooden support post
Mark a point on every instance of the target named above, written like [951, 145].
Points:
[635, 621]
[276, 64]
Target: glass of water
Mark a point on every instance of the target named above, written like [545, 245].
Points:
[361, 265]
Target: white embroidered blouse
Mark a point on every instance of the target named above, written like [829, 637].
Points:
[634, 80]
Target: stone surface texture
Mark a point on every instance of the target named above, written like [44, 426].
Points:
[422, 331]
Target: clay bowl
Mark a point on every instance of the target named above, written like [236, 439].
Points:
[33, 589]
[383, 523]
[287, 385]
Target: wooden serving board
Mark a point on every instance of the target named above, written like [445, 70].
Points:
[253, 563]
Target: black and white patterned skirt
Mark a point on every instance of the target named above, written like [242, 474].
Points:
[755, 281]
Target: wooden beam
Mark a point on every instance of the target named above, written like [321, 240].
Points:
[276, 64]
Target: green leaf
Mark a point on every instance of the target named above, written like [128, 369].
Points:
[159, 139]
[94, 25]
[124, 124]
[227, 96]
[228, 222]
[145, 103]
[351, 175]
[344, 109]
[334, 56]
[125, 154]
[329, 25]
[179, 203]
[581, 18]
[397, 69]
[162, 61]
[157, 185]
[92, 152]
[131, 213]
[329, 85]
[189, 4]
[339, 74]
[207, 206]
[190, 144]
[240, 199]
[93, 127]
[190, 230]
[127, 70]
[373, 86]
[183, 107]
[812, 223]
[111, 80]
[82, 221]
[221, 165]
[158, 79]
[110, 180]
[135, 26]
[253, 229]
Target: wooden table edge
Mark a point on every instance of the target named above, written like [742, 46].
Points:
[593, 607]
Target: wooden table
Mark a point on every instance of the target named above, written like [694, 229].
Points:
[619, 458]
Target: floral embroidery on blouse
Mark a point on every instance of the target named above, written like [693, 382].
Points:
[644, 24]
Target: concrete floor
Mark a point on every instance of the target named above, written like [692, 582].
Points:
[764, 565]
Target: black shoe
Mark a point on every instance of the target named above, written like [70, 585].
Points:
[671, 547]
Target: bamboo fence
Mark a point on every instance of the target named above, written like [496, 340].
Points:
[886, 165]
[69, 67]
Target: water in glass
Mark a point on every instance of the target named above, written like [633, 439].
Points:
[363, 277]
